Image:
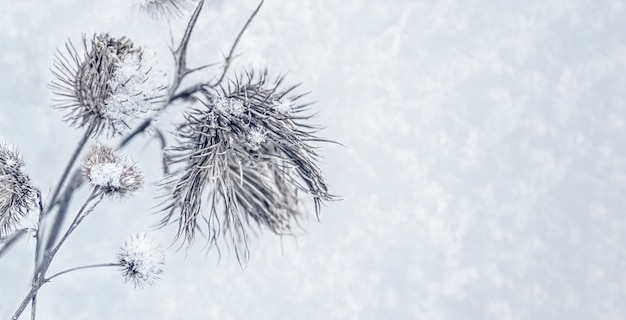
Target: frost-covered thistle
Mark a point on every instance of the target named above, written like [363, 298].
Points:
[252, 159]
[108, 86]
[17, 194]
[141, 260]
[159, 9]
[110, 173]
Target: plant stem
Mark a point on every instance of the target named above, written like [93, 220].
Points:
[228, 59]
[99, 265]
[70, 164]
[59, 219]
[33, 307]
[40, 274]
[53, 200]
[24, 303]
[82, 213]
[180, 63]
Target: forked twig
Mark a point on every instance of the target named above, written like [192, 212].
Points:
[229, 57]
[188, 92]
[180, 61]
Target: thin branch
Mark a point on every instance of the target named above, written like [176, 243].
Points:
[185, 94]
[38, 232]
[82, 213]
[63, 205]
[24, 303]
[165, 159]
[37, 281]
[99, 265]
[52, 201]
[228, 59]
[33, 307]
[70, 164]
[9, 240]
[188, 92]
[180, 61]
[180, 54]
[141, 128]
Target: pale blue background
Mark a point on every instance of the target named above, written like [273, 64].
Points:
[484, 173]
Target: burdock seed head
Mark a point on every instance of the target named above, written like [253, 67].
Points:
[17, 194]
[141, 260]
[246, 157]
[111, 173]
[108, 86]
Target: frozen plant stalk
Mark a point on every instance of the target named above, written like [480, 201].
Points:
[244, 154]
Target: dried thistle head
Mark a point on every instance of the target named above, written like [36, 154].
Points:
[111, 173]
[246, 158]
[108, 86]
[165, 9]
[17, 194]
[141, 260]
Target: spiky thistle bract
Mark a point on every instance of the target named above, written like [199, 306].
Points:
[108, 85]
[141, 260]
[111, 173]
[17, 193]
[247, 158]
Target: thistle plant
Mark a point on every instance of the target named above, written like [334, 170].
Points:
[109, 173]
[112, 83]
[251, 159]
[141, 260]
[243, 155]
[17, 194]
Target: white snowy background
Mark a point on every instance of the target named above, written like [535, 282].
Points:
[483, 173]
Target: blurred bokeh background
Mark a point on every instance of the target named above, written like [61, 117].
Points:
[483, 174]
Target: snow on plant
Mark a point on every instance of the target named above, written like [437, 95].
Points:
[284, 106]
[244, 153]
[17, 194]
[108, 86]
[141, 260]
[255, 164]
[110, 173]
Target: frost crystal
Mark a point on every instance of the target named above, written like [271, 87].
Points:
[110, 173]
[17, 194]
[134, 84]
[107, 174]
[142, 260]
[256, 136]
[284, 106]
[228, 106]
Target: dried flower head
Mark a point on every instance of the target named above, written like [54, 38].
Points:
[252, 159]
[110, 173]
[109, 86]
[17, 194]
[142, 260]
[160, 9]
